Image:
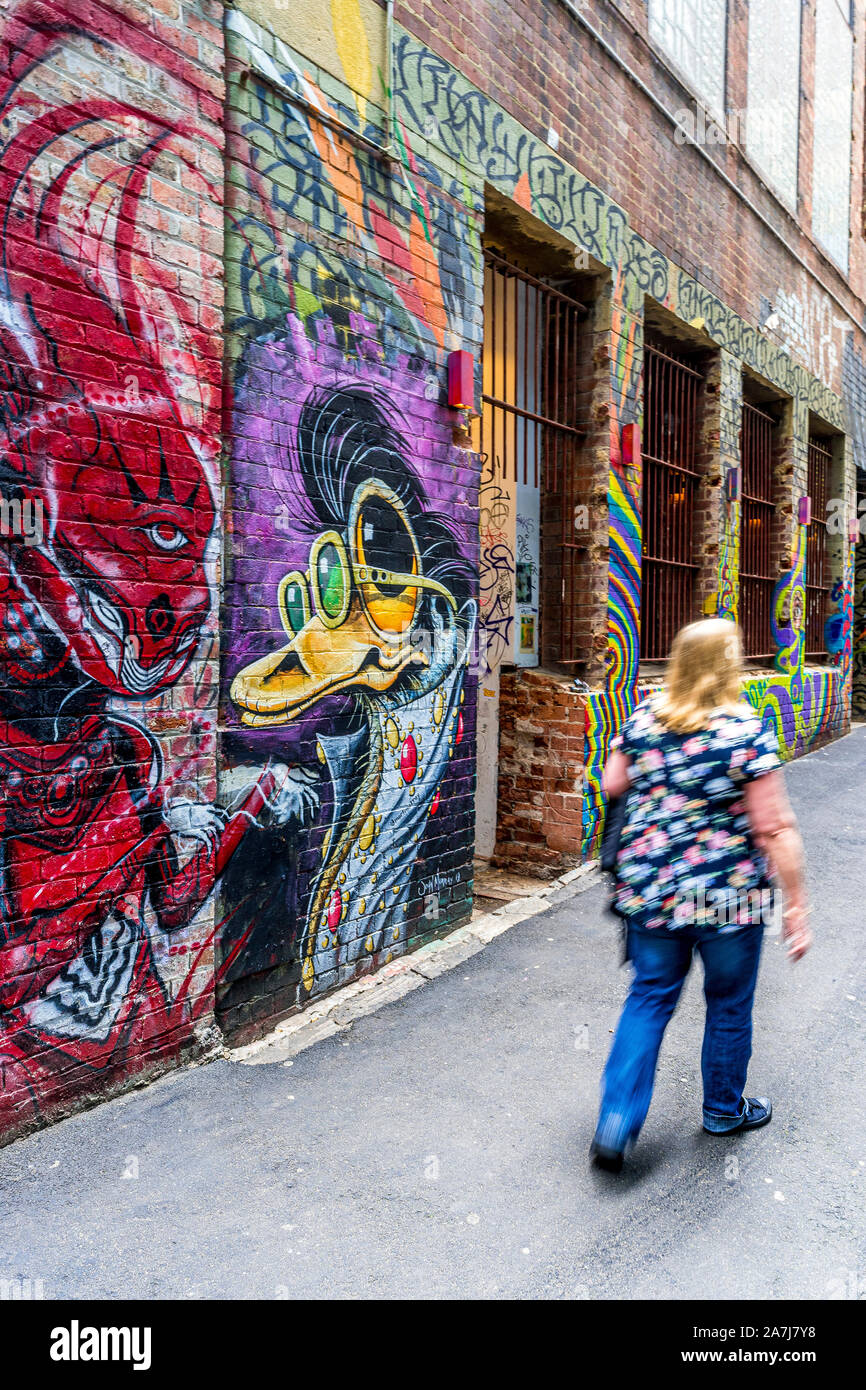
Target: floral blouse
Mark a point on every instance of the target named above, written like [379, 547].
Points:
[686, 855]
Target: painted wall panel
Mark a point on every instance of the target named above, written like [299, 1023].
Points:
[110, 351]
[237, 713]
[350, 611]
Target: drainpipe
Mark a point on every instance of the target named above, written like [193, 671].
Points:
[390, 147]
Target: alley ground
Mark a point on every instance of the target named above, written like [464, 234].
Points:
[440, 1147]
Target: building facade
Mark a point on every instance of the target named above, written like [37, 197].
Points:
[383, 385]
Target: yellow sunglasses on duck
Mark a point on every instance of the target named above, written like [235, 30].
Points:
[379, 529]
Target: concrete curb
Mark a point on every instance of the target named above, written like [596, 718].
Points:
[338, 1012]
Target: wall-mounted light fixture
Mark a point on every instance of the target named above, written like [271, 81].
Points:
[461, 380]
[631, 445]
[804, 511]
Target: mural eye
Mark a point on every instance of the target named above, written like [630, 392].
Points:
[331, 577]
[295, 603]
[384, 543]
[108, 615]
[166, 536]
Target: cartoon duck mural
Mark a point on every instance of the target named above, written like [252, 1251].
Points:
[382, 611]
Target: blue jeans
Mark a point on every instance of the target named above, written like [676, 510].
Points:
[661, 961]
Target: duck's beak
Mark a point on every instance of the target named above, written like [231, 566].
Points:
[321, 661]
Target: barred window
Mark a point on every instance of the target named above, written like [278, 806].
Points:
[530, 437]
[818, 571]
[670, 478]
[757, 513]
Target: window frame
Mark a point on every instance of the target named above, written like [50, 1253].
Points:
[759, 494]
[669, 568]
[817, 546]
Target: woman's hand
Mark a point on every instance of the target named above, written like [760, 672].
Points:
[615, 779]
[796, 931]
[775, 830]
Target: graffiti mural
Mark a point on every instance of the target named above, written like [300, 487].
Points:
[496, 584]
[788, 613]
[606, 710]
[379, 609]
[858, 655]
[805, 707]
[730, 412]
[110, 841]
[238, 712]
[488, 143]
[351, 611]
[803, 714]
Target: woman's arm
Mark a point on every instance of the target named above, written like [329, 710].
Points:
[774, 827]
[615, 779]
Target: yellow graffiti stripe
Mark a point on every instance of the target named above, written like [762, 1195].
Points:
[353, 50]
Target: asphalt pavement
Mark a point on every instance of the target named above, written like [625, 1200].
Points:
[439, 1148]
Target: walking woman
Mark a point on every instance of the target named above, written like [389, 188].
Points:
[706, 817]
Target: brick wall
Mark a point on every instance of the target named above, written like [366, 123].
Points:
[346, 284]
[238, 745]
[543, 66]
[110, 366]
[541, 751]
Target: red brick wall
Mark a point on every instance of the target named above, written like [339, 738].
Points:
[541, 65]
[111, 184]
[541, 750]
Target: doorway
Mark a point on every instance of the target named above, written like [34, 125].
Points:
[528, 439]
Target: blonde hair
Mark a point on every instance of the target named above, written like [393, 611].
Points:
[703, 674]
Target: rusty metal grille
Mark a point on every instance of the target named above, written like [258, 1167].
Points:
[818, 576]
[668, 567]
[529, 427]
[757, 512]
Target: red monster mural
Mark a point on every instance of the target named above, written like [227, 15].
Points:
[109, 404]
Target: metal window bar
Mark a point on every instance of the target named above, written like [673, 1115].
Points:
[818, 575]
[757, 513]
[669, 486]
[529, 427]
